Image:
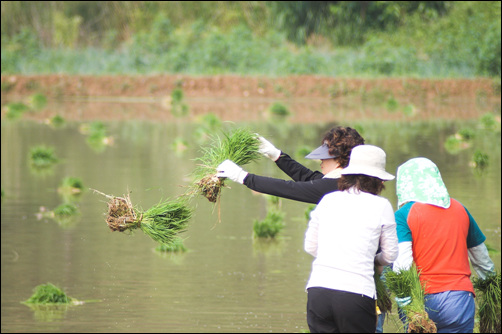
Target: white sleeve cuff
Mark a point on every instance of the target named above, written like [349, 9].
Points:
[405, 258]
[242, 175]
[480, 260]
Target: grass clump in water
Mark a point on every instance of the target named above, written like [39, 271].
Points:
[480, 159]
[97, 135]
[65, 214]
[37, 101]
[162, 222]
[241, 146]
[271, 225]
[65, 210]
[15, 110]
[279, 110]
[488, 295]
[71, 185]
[49, 294]
[42, 156]
[57, 121]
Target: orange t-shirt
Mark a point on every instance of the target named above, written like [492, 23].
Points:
[439, 242]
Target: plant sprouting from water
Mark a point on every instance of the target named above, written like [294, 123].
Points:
[56, 121]
[42, 156]
[15, 110]
[480, 159]
[65, 210]
[271, 225]
[37, 101]
[278, 109]
[71, 186]
[49, 294]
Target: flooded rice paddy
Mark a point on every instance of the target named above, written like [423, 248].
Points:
[226, 281]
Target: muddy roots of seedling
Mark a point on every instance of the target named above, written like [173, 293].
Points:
[121, 214]
[210, 187]
[420, 323]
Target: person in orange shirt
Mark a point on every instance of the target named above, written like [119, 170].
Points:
[440, 235]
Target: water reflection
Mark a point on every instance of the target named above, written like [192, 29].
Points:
[226, 281]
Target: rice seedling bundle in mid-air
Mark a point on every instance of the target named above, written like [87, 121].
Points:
[404, 284]
[162, 222]
[488, 295]
[241, 146]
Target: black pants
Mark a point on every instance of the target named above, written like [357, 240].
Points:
[335, 311]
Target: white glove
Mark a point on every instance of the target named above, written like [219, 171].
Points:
[231, 170]
[268, 149]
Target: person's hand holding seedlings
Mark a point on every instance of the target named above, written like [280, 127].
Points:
[268, 149]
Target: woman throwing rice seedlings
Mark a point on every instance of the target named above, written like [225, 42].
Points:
[439, 234]
[307, 185]
[344, 234]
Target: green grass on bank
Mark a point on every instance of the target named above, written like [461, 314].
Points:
[465, 42]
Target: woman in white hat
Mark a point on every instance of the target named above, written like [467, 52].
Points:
[345, 231]
[306, 185]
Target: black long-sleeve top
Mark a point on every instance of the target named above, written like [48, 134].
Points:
[307, 185]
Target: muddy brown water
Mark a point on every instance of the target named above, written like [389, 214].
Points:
[226, 281]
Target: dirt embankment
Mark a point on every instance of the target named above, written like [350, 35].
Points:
[223, 93]
[236, 86]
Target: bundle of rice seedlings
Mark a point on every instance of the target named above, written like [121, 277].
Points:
[65, 210]
[49, 294]
[241, 146]
[278, 109]
[56, 121]
[71, 186]
[179, 145]
[406, 283]
[384, 302]
[65, 214]
[42, 156]
[97, 135]
[480, 159]
[37, 101]
[15, 110]
[178, 107]
[271, 225]
[488, 294]
[162, 222]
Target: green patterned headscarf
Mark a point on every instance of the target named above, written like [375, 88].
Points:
[419, 180]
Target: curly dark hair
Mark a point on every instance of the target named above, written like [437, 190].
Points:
[341, 140]
[365, 183]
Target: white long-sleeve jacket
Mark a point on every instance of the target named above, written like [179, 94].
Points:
[344, 234]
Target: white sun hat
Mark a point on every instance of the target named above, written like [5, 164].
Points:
[368, 160]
